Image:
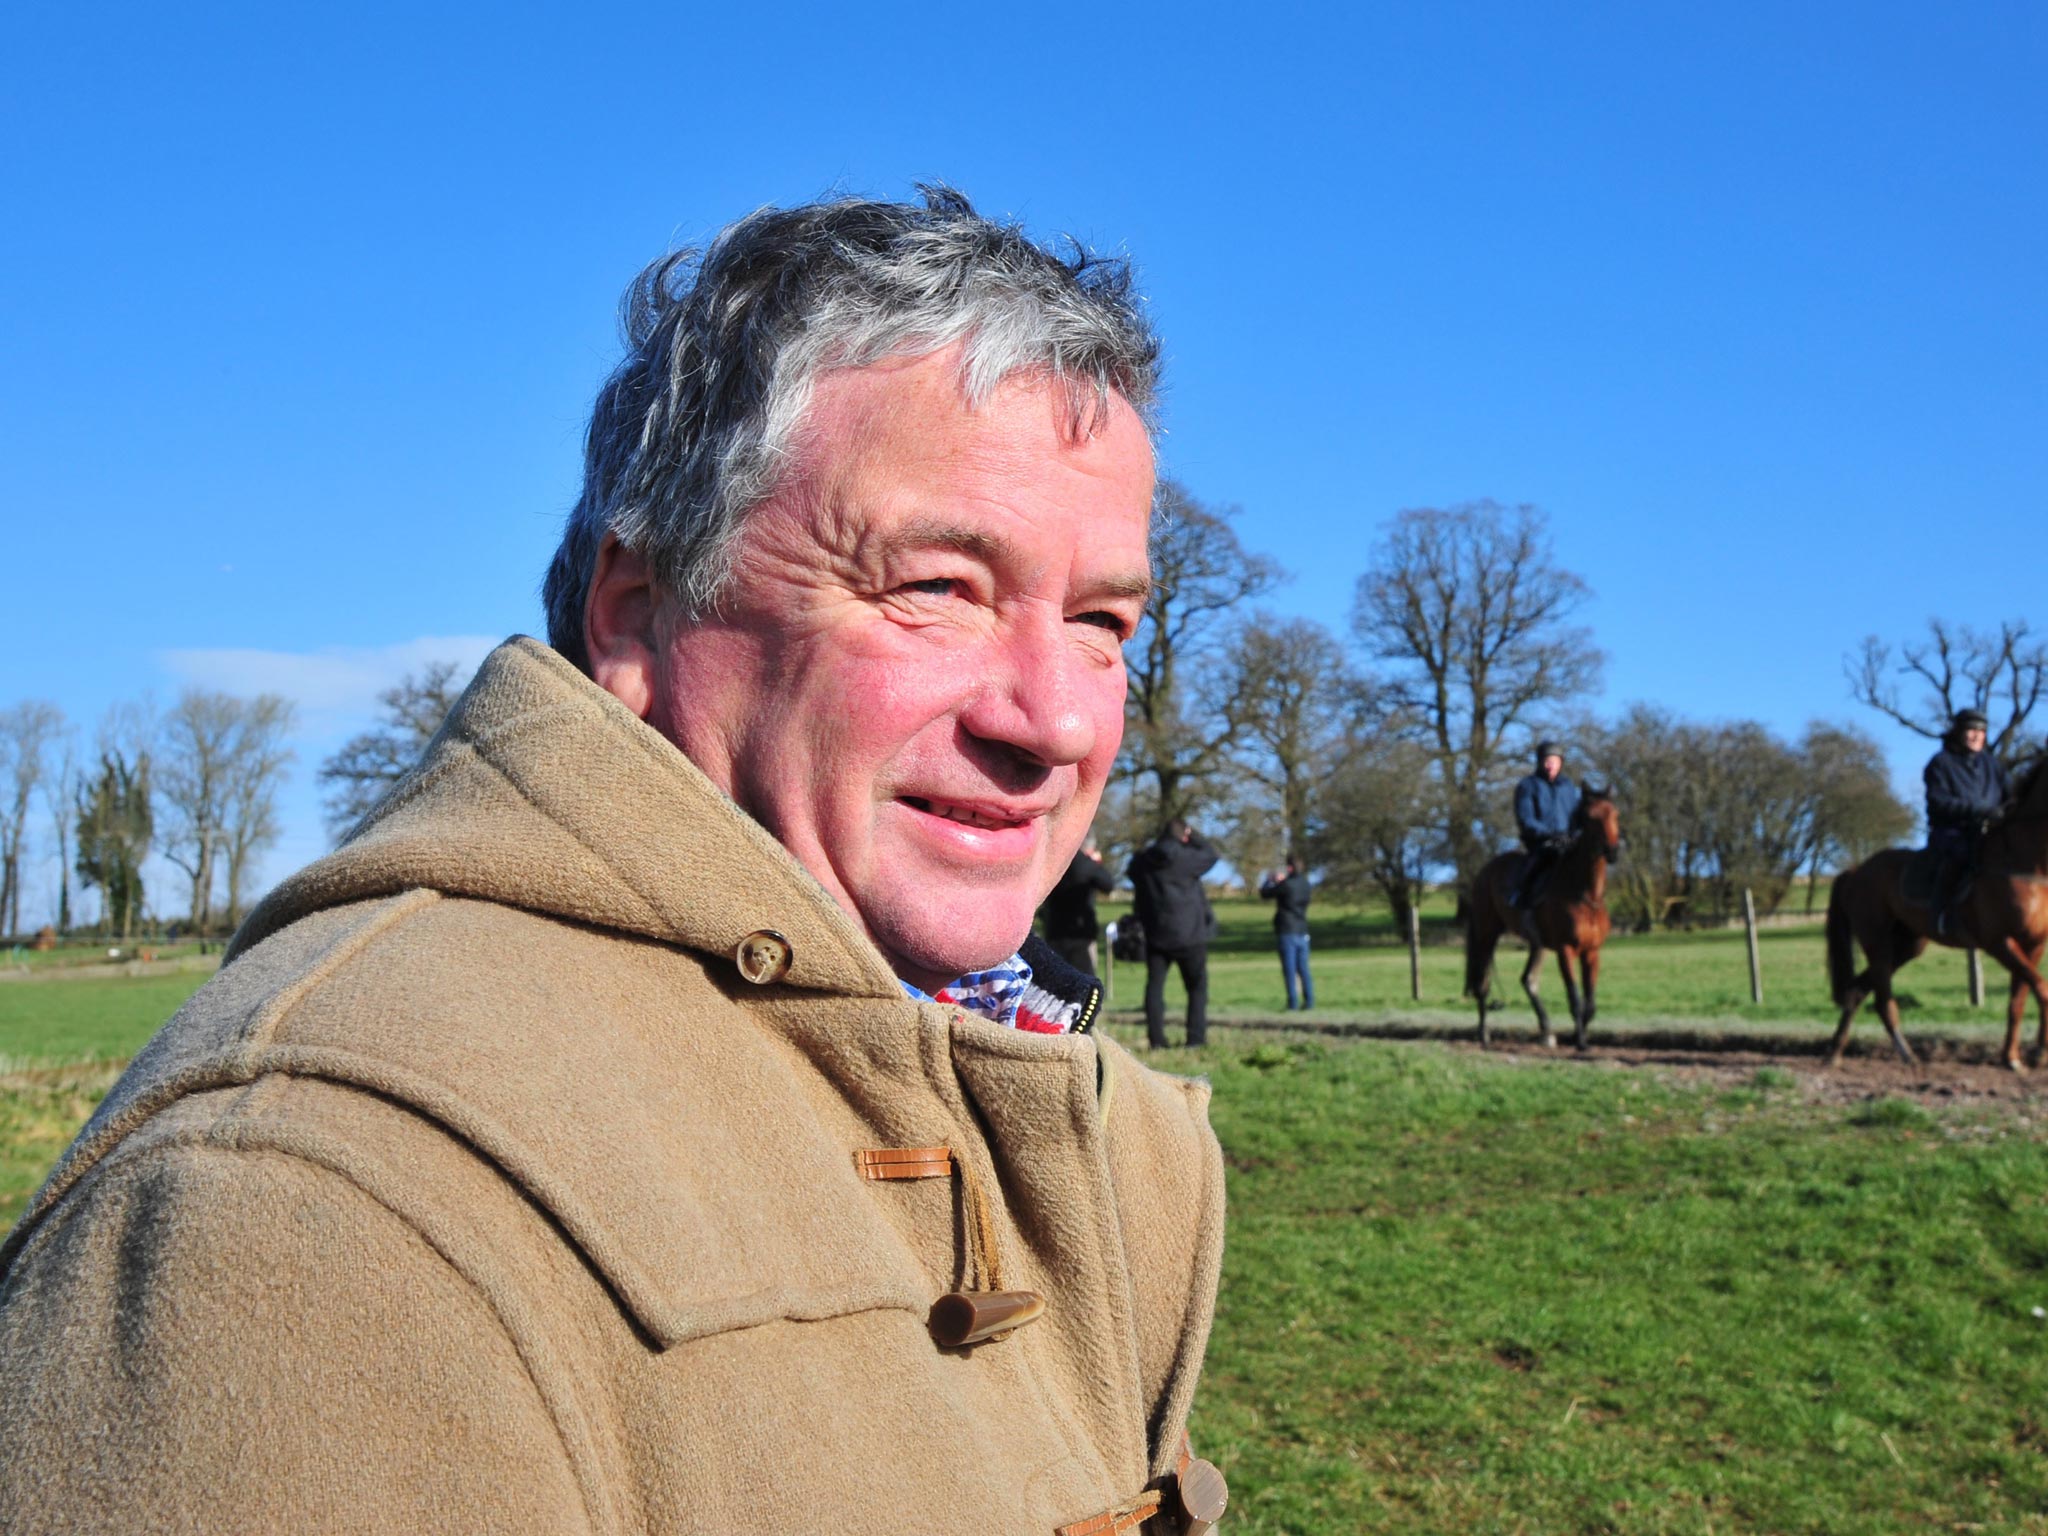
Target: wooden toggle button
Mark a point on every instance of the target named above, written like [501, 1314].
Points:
[973, 1317]
[1203, 1497]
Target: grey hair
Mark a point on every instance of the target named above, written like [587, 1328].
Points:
[694, 428]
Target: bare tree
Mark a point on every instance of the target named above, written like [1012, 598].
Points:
[1174, 737]
[191, 781]
[60, 799]
[1753, 810]
[1711, 809]
[1285, 689]
[1954, 668]
[27, 732]
[218, 765]
[1381, 815]
[255, 774]
[1855, 811]
[358, 776]
[1473, 611]
[1652, 763]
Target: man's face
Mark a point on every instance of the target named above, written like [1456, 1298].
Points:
[916, 679]
[1973, 738]
[1553, 765]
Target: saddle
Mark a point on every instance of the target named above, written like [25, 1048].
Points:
[1524, 894]
[1933, 878]
[1922, 877]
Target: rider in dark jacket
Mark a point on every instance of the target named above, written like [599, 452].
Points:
[1545, 802]
[1966, 787]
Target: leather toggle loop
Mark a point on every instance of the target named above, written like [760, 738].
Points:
[983, 1308]
[904, 1162]
[1112, 1522]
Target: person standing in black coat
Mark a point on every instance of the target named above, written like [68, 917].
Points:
[1966, 787]
[1288, 890]
[1068, 912]
[1173, 910]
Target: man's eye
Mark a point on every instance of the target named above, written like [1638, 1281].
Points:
[1104, 620]
[936, 586]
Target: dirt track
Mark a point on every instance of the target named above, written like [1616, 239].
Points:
[1958, 1073]
[1952, 1070]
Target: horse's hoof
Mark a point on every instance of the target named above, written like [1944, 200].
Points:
[2014, 1065]
[1549, 1041]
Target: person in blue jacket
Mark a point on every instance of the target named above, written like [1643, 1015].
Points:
[1966, 787]
[1289, 891]
[1545, 802]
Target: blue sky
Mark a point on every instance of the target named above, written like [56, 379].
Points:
[301, 308]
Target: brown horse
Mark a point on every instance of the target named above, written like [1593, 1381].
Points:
[2004, 912]
[1570, 917]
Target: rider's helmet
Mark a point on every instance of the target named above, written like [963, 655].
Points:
[1548, 748]
[1969, 720]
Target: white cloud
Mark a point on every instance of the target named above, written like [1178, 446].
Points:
[334, 680]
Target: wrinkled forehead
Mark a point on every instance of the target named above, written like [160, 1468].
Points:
[851, 408]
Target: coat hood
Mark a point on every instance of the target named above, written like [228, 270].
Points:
[543, 792]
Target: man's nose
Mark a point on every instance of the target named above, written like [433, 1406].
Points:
[1036, 695]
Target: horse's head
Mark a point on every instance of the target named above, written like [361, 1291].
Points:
[2029, 800]
[1596, 813]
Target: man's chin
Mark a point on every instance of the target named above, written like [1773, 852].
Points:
[931, 961]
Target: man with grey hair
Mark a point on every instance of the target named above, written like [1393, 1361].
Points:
[653, 1117]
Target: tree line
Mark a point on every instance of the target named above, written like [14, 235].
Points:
[1384, 759]
[197, 785]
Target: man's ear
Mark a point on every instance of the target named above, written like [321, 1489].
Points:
[619, 629]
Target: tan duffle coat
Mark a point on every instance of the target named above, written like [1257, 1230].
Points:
[507, 1178]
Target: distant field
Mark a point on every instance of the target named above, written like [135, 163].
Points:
[60, 1022]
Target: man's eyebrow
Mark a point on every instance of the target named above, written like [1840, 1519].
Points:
[1139, 587]
[993, 549]
[930, 533]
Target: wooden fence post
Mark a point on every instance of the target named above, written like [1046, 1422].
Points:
[1414, 953]
[1976, 978]
[1756, 974]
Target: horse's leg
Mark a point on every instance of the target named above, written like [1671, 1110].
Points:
[1482, 937]
[1589, 967]
[1573, 1001]
[1488, 940]
[2015, 1016]
[1530, 973]
[1888, 1010]
[2025, 966]
[1864, 984]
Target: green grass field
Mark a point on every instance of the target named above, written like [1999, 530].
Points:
[1493, 1294]
[1465, 1294]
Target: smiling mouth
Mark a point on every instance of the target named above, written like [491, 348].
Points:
[966, 815]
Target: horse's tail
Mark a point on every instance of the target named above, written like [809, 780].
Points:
[1841, 938]
[1478, 945]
